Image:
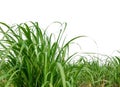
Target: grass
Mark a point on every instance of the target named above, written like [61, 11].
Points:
[29, 58]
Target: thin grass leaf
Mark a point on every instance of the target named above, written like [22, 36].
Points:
[62, 74]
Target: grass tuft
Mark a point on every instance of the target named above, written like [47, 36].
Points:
[29, 58]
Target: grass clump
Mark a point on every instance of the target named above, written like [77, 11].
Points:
[29, 58]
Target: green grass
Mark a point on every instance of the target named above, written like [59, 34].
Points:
[29, 58]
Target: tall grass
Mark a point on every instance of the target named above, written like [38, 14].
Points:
[32, 60]
[29, 58]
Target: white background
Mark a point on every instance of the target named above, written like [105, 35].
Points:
[98, 19]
